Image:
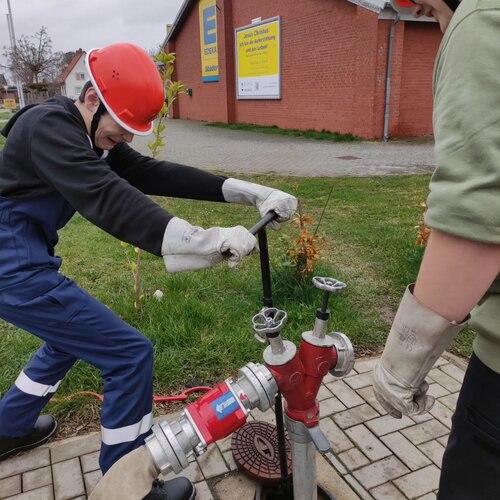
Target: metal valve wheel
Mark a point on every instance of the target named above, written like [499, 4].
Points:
[269, 320]
[330, 285]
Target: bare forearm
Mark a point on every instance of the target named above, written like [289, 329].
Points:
[455, 273]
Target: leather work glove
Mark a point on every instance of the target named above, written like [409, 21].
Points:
[130, 477]
[189, 248]
[417, 338]
[262, 197]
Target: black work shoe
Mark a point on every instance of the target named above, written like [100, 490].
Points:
[180, 488]
[45, 426]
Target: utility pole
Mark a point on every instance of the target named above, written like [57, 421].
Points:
[12, 36]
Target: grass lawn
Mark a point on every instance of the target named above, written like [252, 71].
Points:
[202, 330]
[324, 135]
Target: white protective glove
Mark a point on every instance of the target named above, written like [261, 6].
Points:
[262, 197]
[131, 477]
[189, 248]
[417, 338]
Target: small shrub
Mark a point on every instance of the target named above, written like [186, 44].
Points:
[308, 246]
[423, 231]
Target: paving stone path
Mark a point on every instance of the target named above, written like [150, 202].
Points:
[192, 143]
[373, 456]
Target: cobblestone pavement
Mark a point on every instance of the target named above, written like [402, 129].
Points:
[373, 456]
[192, 143]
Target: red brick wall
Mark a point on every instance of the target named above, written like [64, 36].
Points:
[208, 101]
[317, 82]
[368, 56]
[334, 62]
[421, 42]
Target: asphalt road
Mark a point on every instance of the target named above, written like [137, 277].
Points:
[193, 143]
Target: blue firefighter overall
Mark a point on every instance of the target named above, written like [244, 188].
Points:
[35, 297]
[49, 170]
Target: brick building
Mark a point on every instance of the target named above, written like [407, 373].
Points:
[334, 65]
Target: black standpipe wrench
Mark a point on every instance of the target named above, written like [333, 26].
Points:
[266, 279]
[270, 320]
[270, 216]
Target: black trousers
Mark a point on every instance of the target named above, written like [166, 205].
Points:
[471, 462]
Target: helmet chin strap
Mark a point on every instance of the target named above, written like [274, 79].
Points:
[452, 4]
[93, 127]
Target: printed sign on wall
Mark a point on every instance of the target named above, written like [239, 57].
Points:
[9, 103]
[258, 64]
[208, 41]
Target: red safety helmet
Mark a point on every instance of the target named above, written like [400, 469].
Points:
[128, 84]
[403, 6]
[406, 6]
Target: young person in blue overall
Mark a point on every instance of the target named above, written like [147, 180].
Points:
[460, 269]
[63, 156]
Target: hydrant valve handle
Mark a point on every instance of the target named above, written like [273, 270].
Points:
[331, 285]
[269, 321]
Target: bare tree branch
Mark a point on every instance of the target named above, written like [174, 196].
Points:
[33, 61]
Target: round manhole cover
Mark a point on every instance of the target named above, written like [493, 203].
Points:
[255, 451]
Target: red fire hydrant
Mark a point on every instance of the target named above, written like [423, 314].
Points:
[299, 375]
[296, 373]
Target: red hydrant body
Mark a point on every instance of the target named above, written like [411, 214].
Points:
[299, 381]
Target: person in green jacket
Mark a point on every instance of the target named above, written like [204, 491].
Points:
[458, 278]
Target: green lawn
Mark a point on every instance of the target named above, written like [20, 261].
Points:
[202, 329]
[323, 135]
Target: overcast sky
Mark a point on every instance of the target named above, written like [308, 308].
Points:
[74, 24]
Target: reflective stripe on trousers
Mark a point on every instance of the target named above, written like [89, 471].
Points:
[75, 325]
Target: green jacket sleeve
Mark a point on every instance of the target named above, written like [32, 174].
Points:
[464, 195]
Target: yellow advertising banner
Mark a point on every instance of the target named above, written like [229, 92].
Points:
[208, 40]
[258, 60]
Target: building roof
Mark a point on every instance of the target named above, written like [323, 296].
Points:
[78, 54]
[179, 19]
[381, 7]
